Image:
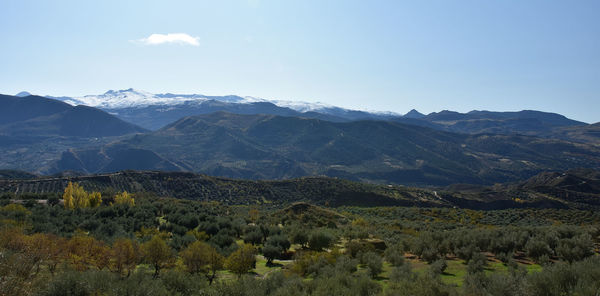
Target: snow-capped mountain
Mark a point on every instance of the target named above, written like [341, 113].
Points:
[153, 111]
[130, 98]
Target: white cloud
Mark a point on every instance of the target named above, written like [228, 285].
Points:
[180, 38]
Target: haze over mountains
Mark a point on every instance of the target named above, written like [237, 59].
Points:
[244, 137]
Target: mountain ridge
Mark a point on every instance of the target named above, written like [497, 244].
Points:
[153, 111]
[279, 147]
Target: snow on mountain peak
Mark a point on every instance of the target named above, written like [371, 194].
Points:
[132, 98]
[127, 98]
[302, 106]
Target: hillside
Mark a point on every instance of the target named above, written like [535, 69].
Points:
[586, 134]
[275, 147]
[578, 188]
[322, 191]
[36, 116]
[35, 131]
[330, 192]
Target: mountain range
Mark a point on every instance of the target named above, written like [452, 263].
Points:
[278, 147]
[154, 111]
[244, 137]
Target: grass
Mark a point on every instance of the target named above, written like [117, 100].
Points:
[454, 273]
[261, 266]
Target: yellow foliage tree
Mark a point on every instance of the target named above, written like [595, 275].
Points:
[95, 199]
[85, 251]
[242, 260]
[76, 197]
[157, 253]
[124, 198]
[254, 214]
[201, 257]
[68, 197]
[125, 255]
[80, 197]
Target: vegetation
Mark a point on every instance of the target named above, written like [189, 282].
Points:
[168, 246]
[75, 197]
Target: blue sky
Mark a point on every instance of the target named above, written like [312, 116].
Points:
[377, 55]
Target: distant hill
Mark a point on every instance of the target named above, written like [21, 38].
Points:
[320, 191]
[14, 174]
[577, 188]
[527, 122]
[35, 131]
[38, 116]
[14, 109]
[276, 147]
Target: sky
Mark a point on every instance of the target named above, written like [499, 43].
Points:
[371, 55]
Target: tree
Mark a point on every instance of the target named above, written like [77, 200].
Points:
[75, 197]
[373, 263]
[57, 251]
[271, 252]
[124, 198]
[477, 263]
[95, 199]
[280, 241]
[200, 257]
[576, 248]
[125, 255]
[537, 249]
[80, 197]
[320, 240]
[39, 249]
[253, 237]
[300, 237]
[198, 235]
[242, 260]
[157, 253]
[68, 197]
[253, 214]
[395, 254]
[439, 266]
